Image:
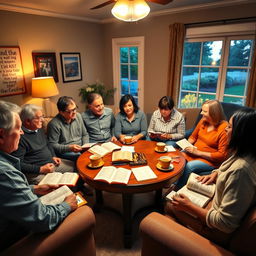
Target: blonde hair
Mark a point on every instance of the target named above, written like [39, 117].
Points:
[215, 111]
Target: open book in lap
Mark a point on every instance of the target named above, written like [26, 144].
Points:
[104, 148]
[184, 143]
[57, 178]
[200, 194]
[111, 174]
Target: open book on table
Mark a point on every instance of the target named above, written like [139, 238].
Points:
[58, 196]
[57, 178]
[111, 174]
[143, 173]
[200, 194]
[184, 143]
[104, 148]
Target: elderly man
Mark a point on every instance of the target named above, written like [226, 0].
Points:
[37, 157]
[20, 209]
[66, 131]
[98, 120]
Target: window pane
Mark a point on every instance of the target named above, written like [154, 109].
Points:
[124, 71]
[204, 97]
[212, 53]
[134, 88]
[189, 79]
[134, 54]
[188, 100]
[124, 55]
[191, 53]
[124, 87]
[239, 52]
[235, 81]
[209, 79]
[134, 72]
[238, 101]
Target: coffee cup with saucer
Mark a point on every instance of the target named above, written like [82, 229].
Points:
[95, 162]
[164, 163]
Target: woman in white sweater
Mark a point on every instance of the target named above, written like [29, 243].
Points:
[235, 185]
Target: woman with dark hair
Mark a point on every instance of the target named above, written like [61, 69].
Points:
[130, 121]
[235, 185]
[209, 141]
[167, 124]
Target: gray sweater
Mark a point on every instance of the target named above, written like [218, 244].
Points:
[235, 193]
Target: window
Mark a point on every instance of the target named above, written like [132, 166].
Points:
[215, 68]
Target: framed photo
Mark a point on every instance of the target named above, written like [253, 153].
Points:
[12, 79]
[45, 64]
[71, 66]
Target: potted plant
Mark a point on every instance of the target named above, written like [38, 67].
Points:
[96, 88]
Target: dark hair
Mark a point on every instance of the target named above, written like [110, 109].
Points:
[91, 97]
[63, 102]
[166, 102]
[124, 100]
[243, 133]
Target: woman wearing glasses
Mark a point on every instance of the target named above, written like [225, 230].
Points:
[66, 131]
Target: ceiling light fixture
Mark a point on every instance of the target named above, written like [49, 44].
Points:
[130, 10]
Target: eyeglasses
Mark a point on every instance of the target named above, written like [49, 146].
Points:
[39, 118]
[71, 110]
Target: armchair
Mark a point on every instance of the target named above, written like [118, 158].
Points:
[163, 236]
[74, 236]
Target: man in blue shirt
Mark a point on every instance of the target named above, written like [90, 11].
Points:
[20, 209]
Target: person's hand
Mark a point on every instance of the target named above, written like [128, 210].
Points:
[181, 202]
[47, 168]
[71, 200]
[165, 136]
[44, 189]
[75, 148]
[121, 138]
[114, 139]
[208, 179]
[192, 150]
[153, 135]
[135, 138]
[56, 160]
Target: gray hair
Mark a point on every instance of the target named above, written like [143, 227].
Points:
[28, 112]
[7, 115]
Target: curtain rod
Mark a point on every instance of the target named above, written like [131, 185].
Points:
[220, 22]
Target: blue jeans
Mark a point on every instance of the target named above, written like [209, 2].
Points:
[195, 166]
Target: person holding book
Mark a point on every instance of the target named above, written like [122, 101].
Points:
[66, 131]
[235, 180]
[130, 121]
[20, 209]
[209, 141]
[37, 157]
[98, 120]
[167, 124]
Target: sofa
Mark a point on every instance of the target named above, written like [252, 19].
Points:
[74, 236]
[163, 236]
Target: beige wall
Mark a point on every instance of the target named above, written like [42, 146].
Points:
[46, 34]
[156, 33]
[94, 42]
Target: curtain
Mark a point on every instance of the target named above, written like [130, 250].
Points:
[251, 92]
[176, 43]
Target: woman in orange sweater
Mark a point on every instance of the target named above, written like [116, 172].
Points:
[209, 141]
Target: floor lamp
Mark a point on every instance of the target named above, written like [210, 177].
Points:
[44, 87]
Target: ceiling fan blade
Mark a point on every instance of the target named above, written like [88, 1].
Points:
[103, 4]
[160, 1]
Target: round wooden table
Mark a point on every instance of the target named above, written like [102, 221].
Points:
[134, 186]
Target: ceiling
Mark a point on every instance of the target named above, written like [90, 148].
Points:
[80, 9]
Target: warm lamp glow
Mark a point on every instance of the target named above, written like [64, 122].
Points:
[130, 10]
[44, 87]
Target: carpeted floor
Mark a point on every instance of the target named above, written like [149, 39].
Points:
[109, 225]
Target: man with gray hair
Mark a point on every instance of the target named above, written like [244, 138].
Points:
[36, 155]
[20, 209]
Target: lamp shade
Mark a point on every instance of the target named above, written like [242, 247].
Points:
[130, 10]
[44, 87]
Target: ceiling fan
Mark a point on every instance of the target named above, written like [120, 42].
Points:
[163, 2]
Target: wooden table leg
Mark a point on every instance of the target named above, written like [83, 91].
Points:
[127, 218]
[99, 201]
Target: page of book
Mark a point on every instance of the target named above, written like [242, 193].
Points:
[122, 175]
[143, 173]
[197, 186]
[67, 178]
[99, 150]
[119, 156]
[110, 146]
[88, 145]
[128, 148]
[57, 196]
[170, 148]
[184, 143]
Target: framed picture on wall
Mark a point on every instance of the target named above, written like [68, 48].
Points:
[45, 64]
[71, 66]
[12, 80]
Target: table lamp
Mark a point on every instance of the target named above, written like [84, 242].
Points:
[44, 87]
